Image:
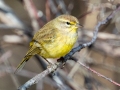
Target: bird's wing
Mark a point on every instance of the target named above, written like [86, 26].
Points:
[45, 35]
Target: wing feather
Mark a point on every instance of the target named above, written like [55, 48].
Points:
[47, 34]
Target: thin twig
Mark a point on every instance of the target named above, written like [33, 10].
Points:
[109, 79]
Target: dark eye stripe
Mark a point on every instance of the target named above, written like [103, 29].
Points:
[68, 23]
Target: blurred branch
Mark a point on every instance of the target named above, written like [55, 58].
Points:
[108, 48]
[76, 66]
[107, 43]
[70, 6]
[97, 8]
[102, 35]
[11, 69]
[36, 17]
[61, 6]
[5, 56]
[70, 81]
[8, 17]
[14, 39]
[32, 11]
[60, 83]
[5, 60]
[54, 84]
[47, 10]
[54, 8]
[4, 26]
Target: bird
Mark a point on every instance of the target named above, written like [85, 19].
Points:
[54, 40]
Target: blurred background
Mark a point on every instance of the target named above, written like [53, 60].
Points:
[20, 19]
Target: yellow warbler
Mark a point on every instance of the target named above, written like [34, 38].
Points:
[54, 40]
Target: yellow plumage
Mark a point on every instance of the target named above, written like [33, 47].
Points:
[53, 40]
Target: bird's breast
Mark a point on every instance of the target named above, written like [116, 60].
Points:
[61, 45]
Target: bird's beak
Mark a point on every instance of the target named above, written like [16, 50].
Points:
[79, 25]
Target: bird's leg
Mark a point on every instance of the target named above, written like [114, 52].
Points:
[49, 66]
[49, 63]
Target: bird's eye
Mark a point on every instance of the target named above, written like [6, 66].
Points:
[68, 23]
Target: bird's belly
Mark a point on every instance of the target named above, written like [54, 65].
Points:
[59, 48]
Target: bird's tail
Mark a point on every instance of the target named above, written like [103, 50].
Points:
[32, 51]
[23, 62]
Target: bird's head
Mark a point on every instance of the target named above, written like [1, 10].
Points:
[67, 23]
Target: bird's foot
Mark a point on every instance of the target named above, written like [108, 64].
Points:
[52, 66]
[63, 62]
[49, 65]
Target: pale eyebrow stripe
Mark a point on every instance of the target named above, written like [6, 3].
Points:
[64, 20]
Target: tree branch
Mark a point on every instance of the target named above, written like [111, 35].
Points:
[38, 77]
